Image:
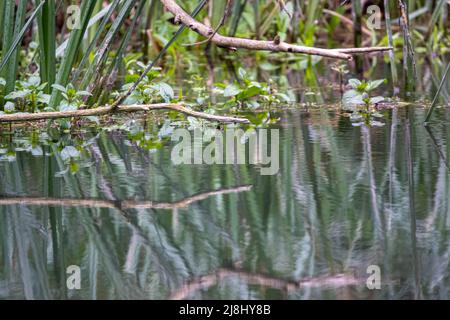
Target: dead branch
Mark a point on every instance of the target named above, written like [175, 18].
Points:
[276, 46]
[17, 117]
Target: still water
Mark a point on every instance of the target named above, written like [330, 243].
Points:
[138, 226]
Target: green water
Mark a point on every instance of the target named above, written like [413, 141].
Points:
[345, 198]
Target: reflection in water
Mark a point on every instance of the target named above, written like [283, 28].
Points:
[139, 227]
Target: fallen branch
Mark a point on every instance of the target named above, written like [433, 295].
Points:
[276, 46]
[121, 205]
[17, 117]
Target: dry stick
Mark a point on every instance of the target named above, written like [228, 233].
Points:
[122, 205]
[232, 42]
[275, 46]
[17, 117]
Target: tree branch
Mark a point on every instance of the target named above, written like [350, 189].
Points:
[276, 46]
[17, 117]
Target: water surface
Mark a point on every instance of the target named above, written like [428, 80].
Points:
[140, 227]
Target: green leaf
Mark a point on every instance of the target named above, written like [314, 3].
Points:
[352, 98]
[9, 107]
[64, 106]
[43, 98]
[59, 87]
[249, 92]
[42, 86]
[242, 73]
[94, 119]
[374, 84]
[165, 91]
[34, 81]
[354, 83]
[18, 94]
[69, 152]
[231, 91]
[83, 93]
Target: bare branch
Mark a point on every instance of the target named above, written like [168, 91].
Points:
[17, 117]
[275, 46]
[232, 42]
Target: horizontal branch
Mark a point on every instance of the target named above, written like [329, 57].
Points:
[122, 205]
[276, 46]
[17, 117]
[233, 42]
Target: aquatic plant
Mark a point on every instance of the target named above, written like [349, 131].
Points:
[359, 100]
[28, 95]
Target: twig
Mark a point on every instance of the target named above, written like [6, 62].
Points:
[17, 117]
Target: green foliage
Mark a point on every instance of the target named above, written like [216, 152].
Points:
[359, 100]
[72, 99]
[250, 93]
[147, 91]
[29, 95]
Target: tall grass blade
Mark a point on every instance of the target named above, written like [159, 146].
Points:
[47, 41]
[238, 9]
[101, 28]
[105, 46]
[2, 16]
[438, 92]
[160, 54]
[387, 13]
[357, 32]
[436, 13]
[12, 36]
[75, 39]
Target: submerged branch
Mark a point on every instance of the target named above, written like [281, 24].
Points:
[122, 205]
[17, 117]
[276, 46]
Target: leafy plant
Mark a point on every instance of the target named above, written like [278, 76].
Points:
[147, 92]
[29, 94]
[244, 93]
[359, 100]
[73, 99]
